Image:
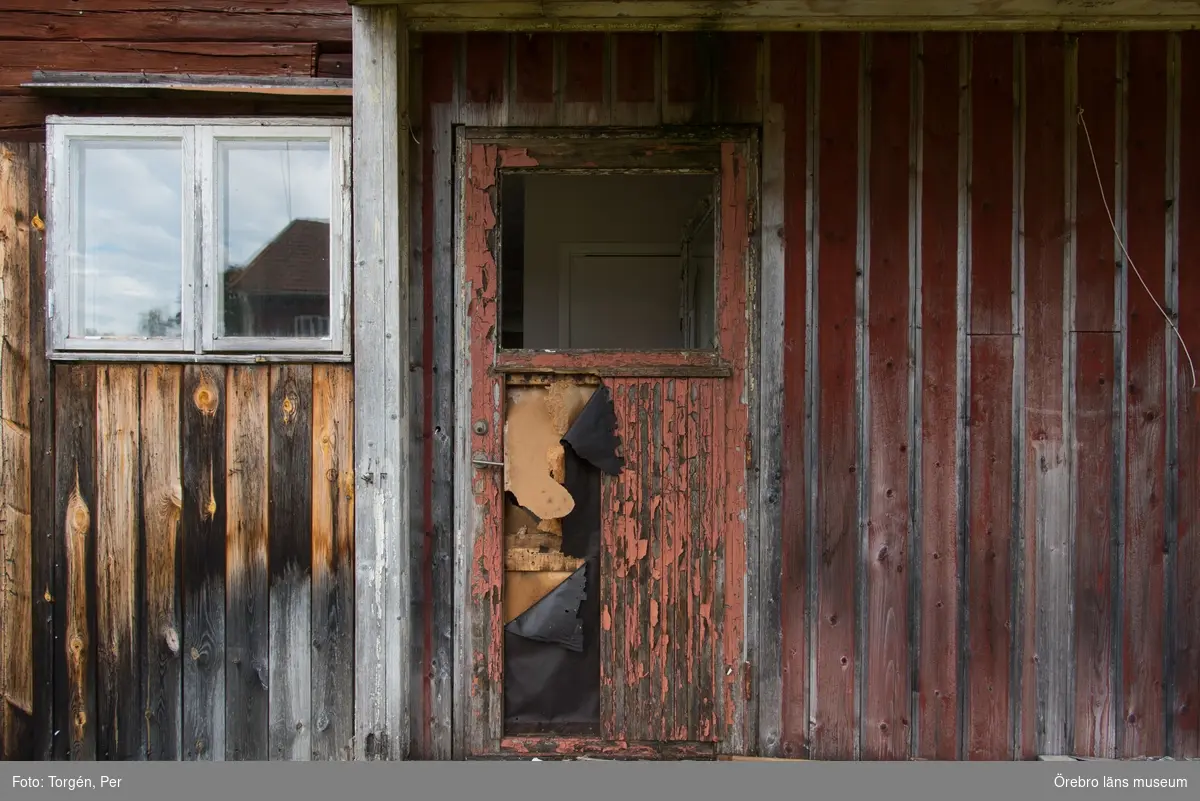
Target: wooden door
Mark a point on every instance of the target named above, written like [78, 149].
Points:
[672, 556]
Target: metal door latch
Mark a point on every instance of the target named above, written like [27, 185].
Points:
[486, 463]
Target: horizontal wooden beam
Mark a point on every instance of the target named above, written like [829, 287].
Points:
[792, 15]
[90, 83]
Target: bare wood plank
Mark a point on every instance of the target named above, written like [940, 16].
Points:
[204, 562]
[1186, 703]
[837, 504]
[14, 301]
[1144, 620]
[938, 644]
[75, 494]
[112, 22]
[19, 59]
[120, 730]
[48, 547]
[290, 563]
[381, 452]
[247, 488]
[16, 545]
[333, 526]
[162, 511]
[885, 725]
[1047, 718]
[789, 86]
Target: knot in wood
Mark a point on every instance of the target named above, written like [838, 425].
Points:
[205, 399]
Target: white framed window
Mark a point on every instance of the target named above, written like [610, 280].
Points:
[198, 239]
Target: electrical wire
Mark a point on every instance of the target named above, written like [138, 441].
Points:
[1128, 258]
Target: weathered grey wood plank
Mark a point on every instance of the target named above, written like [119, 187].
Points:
[247, 659]
[382, 349]
[290, 563]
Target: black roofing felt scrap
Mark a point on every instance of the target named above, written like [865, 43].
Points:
[581, 527]
[593, 435]
[552, 689]
[555, 618]
[552, 651]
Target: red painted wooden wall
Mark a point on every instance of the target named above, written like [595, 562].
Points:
[989, 519]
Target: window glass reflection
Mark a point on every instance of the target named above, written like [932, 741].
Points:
[127, 251]
[273, 212]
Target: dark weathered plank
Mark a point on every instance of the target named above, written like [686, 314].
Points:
[990, 575]
[533, 68]
[581, 60]
[47, 535]
[75, 510]
[938, 645]
[1144, 621]
[19, 59]
[203, 557]
[1186, 703]
[887, 693]
[1096, 254]
[1046, 621]
[992, 177]
[290, 562]
[1097, 383]
[486, 68]
[634, 83]
[837, 449]
[332, 562]
[1094, 441]
[16, 545]
[120, 729]
[194, 24]
[247, 493]
[162, 510]
[739, 78]
[438, 289]
[789, 96]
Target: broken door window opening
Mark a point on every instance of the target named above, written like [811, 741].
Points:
[618, 262]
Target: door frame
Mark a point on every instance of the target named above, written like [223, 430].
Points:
[478, 723]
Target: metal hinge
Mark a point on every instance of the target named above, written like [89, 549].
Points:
[749, 452]
[748, 678]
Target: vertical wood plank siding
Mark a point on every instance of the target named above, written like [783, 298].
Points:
[207, 518]
[987, 527]
[988, 459]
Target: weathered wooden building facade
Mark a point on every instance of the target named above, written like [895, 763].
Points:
[910, 472]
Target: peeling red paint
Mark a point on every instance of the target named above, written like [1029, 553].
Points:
[486, 409]
[516, 157]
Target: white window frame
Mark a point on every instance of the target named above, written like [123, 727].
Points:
[201, 279]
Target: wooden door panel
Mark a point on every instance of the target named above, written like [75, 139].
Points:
[662, 540]
[673, 522]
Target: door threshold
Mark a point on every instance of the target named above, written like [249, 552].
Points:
[552, 747]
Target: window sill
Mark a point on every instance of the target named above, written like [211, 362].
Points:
[200, 358]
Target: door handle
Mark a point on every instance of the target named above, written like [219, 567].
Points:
[486, 463]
